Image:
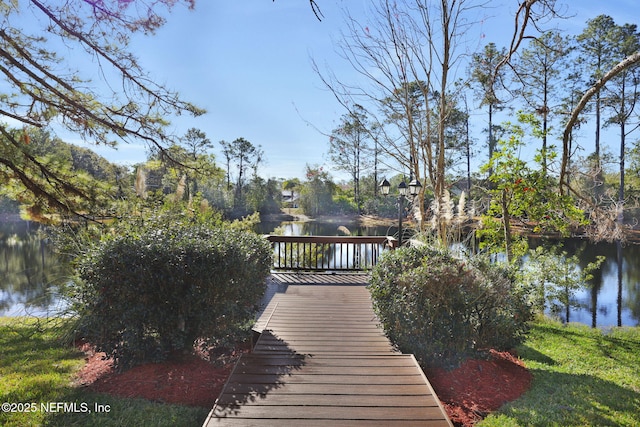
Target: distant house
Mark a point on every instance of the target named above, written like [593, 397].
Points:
[290, 198]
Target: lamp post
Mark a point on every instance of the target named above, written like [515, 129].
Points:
[413, 189]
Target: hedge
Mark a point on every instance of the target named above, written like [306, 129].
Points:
[443, 308]
[144, 296]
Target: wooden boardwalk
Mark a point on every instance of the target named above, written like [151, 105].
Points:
[322, 359]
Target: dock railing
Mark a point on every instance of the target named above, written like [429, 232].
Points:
[327, 253]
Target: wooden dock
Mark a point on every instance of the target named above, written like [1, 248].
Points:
[322, 359]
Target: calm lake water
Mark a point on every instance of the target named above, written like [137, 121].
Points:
[611, 298]
[31, 274]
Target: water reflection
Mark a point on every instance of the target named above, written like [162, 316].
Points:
[611, 298]
[324, 228]
[30, 274]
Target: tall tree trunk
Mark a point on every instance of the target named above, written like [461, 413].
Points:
[443, 113]
[545, 114]
[599, 178]
[506, 218]
[468, 147]
[623, 119]
[492, 144]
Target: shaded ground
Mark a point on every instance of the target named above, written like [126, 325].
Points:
[468, 393]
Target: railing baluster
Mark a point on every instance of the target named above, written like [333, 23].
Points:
[353, 253]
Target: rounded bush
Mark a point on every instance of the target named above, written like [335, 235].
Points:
[445, 309]
[143, 296]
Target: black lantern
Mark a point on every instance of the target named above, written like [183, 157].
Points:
[413, 189]
[402, 188]
[385, 187]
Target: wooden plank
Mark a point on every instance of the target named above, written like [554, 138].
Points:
[331, 412]
[327, 348]
[338, 346]
[323, 359]
[321, 278]
[423, 400]
[286, 331]
[337, 389]
[327, 370]
[317, 328]
[356, 352]
[327, 325]
[307, 312]
[242, 422]
[329, 379]
[302, 311]
[362, 320]
[296, 340]
[303, 377]
[397, 360]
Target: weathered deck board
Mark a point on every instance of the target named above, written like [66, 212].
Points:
[329, 422]
[321, 278]
[322, 359]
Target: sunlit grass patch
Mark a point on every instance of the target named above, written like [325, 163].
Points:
[582, 377]
[36, 378]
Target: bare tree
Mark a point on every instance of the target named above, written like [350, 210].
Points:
[408, 53]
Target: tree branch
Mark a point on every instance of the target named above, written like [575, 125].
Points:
[621, 66]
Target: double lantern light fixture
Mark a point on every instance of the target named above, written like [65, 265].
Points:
[413, 189]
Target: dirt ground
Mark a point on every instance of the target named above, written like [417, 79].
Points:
[468, 393]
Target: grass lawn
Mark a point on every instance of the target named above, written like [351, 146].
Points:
[581, 377]
[36, 374]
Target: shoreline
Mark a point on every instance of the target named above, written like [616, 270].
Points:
[632, 234]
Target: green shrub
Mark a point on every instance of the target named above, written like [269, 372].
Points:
[384, 207]
[143, 295]
[443, 308]
[343, 205]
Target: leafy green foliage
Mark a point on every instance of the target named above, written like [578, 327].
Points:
[349, 147]
[46, 175]
[524, 195]
[115, 100]
[344, 205]
[143, 295]
[443, 308]
[316, 193]
[381, 206]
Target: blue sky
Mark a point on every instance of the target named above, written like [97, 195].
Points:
[248, 63]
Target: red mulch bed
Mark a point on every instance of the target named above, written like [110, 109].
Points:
[467, 393]
[478, 387]
[188, 380]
